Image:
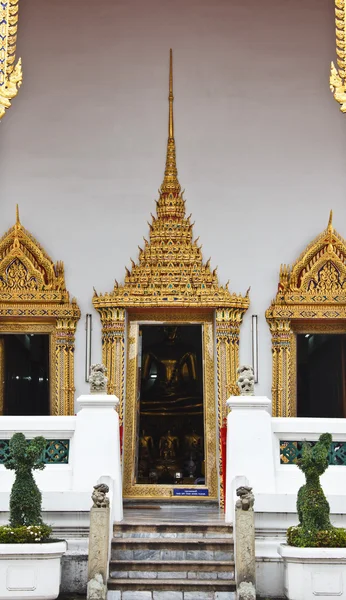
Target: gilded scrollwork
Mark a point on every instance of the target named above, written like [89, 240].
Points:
[10, 73]
[170, 282]
[311, 296]
[34, 299]
[337, 79]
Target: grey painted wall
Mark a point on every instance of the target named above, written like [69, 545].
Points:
[261, 144]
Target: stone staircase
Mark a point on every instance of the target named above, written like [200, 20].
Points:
[171, 561]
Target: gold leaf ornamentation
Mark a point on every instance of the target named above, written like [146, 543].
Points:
[10, 73]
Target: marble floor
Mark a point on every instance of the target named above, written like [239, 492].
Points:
[208, 514]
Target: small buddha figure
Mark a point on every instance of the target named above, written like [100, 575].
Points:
[169, 377]
[146, 446]
[193, 444]
[169, 446]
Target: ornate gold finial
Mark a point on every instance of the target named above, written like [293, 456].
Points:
[18, 223]
[330, 230]
[170, 184]
[337, 79]
[10, 74]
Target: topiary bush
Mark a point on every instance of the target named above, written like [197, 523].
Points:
[26, 500]
[315, 529]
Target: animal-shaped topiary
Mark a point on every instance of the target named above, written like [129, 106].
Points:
[312, 505]
[25, 499]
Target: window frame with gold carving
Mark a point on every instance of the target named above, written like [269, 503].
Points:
[34, 300]
[311, 298]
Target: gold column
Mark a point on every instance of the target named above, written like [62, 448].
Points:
[2, 375]
[63, 403]
[281, 384]
[113, 352]
[228, 321]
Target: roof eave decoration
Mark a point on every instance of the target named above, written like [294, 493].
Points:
[29, 277]
[10, 73]
[315, 286]
[170, 271]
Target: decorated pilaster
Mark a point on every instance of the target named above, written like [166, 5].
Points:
[113, 352]
[65, 339]
[281, 349]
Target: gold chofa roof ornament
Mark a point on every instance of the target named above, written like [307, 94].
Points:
[10, 74]
[170, 270]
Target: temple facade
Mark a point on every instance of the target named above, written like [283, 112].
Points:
[260, 152]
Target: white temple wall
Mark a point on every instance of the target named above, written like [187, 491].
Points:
[261, 144]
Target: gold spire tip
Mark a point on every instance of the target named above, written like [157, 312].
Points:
[330, 222]
[170, 96]
[170, 181]
[17, 215]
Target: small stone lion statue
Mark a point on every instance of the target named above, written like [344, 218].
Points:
[246, 380]
[246, 498]
[98, 380]
[99, 497]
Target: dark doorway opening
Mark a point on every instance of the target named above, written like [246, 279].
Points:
[321, 372]
[170, 446]
[26, 374]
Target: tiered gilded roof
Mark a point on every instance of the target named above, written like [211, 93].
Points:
[170, 270]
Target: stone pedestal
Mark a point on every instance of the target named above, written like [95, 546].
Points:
[98, 552]
[245, 558]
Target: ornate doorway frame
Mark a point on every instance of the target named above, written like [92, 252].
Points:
[170, 278]
[311, 298]
[138, 491]
[34, 299]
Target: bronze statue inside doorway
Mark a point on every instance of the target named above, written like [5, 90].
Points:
[171, 432]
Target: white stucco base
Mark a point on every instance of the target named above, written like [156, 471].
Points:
[314, 572]
[30, 570]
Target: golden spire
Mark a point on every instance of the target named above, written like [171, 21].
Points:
[330, 230]
[17, 216]
[170, 184]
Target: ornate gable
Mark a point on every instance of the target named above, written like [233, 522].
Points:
[27, 273]
[319, 274]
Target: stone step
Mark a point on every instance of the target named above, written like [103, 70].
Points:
[171, 565]
[172, 549]
[178, 585]
[170, 595]
[132, 529]
[206, 570]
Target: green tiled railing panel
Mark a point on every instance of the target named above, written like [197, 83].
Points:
[55, 453]
[291, 451]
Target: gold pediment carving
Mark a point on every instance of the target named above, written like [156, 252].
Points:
[318, 275]
[27, 273]
[311, 297]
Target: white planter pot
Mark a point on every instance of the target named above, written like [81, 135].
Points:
[30, 570]
[314, 573]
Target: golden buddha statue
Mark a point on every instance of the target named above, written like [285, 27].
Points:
[170, 382]
[146, 446]
[169, 446]
[193, 443]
